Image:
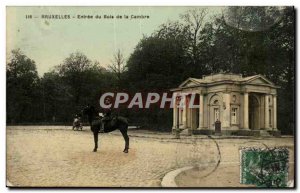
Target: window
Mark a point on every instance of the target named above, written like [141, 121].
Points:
[217, 114]
[234, 98]
[233, 115]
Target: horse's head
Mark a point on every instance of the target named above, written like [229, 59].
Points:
[90, 111]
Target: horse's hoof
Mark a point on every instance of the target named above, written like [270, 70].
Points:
[125, 151]
[95, 150]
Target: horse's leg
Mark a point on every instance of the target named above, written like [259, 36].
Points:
[126, 138]
[95, 132]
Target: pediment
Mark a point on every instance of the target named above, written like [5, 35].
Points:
[260, 80]
[188, 83]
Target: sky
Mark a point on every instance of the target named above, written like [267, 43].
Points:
[49, 41]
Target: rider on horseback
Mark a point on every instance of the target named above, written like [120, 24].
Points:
[108, 120]
[107, 115]
[108, 123]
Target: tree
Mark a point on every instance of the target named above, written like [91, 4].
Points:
[156, 64]
[72, 70]
[188, 32]
[22, 88]
[252, 18]
[118, 66]
[195, 20]
[56, 98]
[82, 81]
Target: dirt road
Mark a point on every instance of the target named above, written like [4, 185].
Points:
[54, 156]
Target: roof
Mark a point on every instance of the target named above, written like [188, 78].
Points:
[221, 77]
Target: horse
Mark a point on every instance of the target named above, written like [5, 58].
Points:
[108, 125]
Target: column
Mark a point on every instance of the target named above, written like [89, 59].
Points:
[201, 114]
[180, 116]
[184, 113]
[275, 112]
[246, 110]
[226, 111]
[267, 112]
[191, 118]
[175, 114]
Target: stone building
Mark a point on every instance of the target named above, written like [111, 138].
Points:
[243, 105]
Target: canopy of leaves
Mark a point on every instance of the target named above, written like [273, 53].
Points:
[244, 40]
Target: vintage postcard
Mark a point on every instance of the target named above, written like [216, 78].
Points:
[169, 97]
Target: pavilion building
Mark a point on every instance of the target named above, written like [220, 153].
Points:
[243, 105]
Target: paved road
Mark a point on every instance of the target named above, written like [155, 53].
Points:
[41, 156]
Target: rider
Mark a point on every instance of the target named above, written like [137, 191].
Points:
[107, 111]
[107, 114]
[107, 118]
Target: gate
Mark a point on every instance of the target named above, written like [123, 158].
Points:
[218, 127]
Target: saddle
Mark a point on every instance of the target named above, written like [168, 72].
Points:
[110, 121]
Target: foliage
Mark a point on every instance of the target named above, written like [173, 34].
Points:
[182, 49]
[245, 40]
[22, 88]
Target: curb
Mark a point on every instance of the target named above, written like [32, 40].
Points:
[169, 179]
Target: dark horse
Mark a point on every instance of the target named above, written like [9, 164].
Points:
[108, 125]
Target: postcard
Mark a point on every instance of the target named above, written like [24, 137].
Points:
[150, 97]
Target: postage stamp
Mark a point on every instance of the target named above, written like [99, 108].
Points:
[264, 167]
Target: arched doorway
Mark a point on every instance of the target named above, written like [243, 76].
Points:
[254, 112]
